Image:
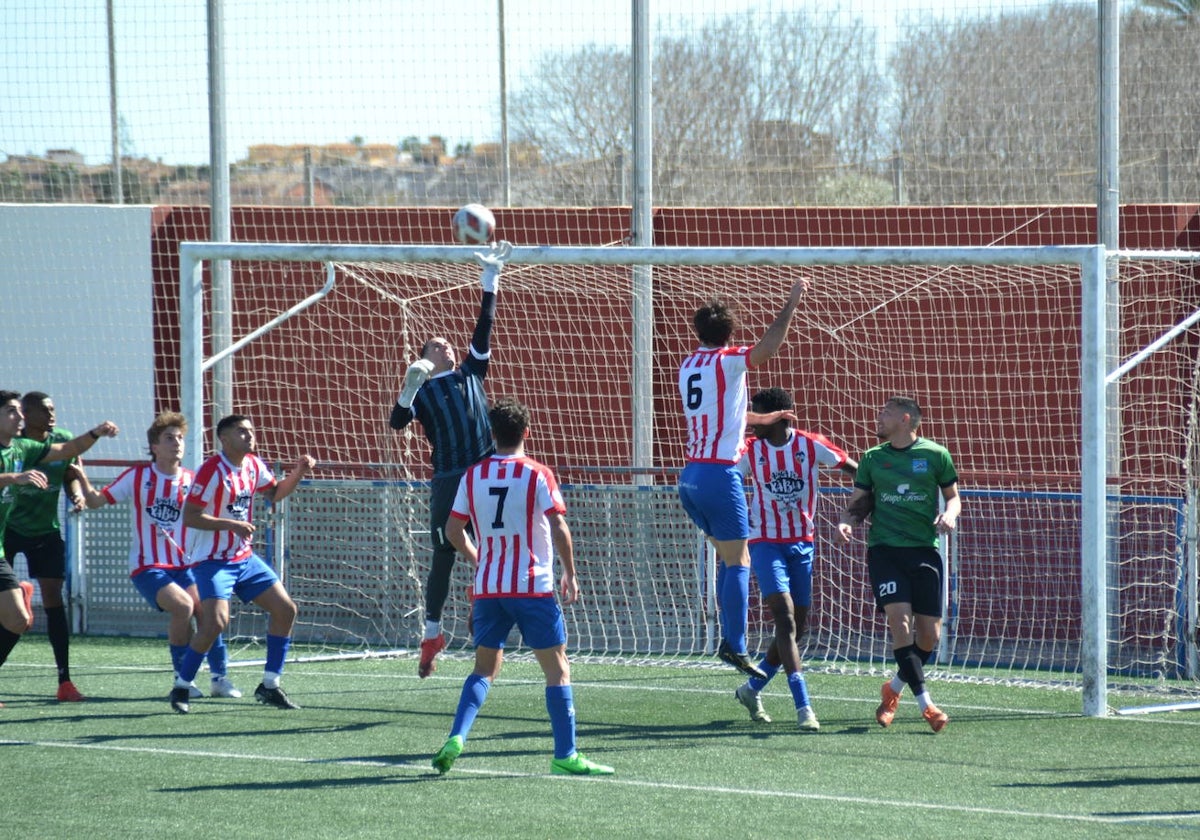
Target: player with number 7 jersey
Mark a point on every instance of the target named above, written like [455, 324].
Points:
[506, 499]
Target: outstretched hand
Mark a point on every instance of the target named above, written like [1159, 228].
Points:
[493, 263]
[497, 255]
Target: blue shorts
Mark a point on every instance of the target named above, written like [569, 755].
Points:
[149, 581]
[784, 567]
[539, 619]
[221, 579]
[714, 497]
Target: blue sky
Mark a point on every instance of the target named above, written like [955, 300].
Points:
[314, 71]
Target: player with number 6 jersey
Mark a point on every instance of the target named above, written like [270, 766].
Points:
[712, 386]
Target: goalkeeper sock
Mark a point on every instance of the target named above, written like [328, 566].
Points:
[560, 703]
[433, 629]
[470, 701]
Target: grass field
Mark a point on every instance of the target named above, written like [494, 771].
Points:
[354, 762]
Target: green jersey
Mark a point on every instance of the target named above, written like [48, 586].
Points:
[20, 455]
[35, 511]
[906, 484]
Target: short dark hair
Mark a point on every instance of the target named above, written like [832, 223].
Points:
[9, 396]
[164, 421]
[908, 405]
[772, 399]
[714, 322]
[33, 398]
[510, 419]
[228, 422]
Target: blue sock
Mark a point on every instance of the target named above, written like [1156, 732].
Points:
[474, 692]
[189, 664]
[218, 657]
[177, 655]
[277, 648]
[799, 689]
[767, 668]
[735, 606]
[560, 703]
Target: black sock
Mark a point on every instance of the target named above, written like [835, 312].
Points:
[8, 641]
[909, 667]
[60, 640]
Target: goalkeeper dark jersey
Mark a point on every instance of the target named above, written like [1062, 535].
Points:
[453, 408]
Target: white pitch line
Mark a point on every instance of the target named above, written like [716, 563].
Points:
[707, 789]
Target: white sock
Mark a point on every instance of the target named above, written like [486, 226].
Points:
[432, 629]
[270, 679]
[923, 700]
[897, 684]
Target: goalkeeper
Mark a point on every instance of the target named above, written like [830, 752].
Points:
[450, 403]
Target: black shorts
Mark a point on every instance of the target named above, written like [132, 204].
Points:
[45, 555]
[442, 491]
[905, 574]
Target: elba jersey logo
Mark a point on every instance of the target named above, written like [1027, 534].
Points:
[920, 465]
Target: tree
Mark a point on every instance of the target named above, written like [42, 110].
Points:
[1003, 110]
[1184, 10]
[748, 109]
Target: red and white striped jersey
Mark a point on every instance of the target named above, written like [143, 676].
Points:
[785, 485]
[712, 383]
[157, 520]
[226, 492]
[507, 499]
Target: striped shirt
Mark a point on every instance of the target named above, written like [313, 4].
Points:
[784, 479]
[712, 384]
[157, 522]
[226, 491]
[507, 500]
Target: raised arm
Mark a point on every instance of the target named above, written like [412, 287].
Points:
[284, 488]
[76, 446]
[772, 339]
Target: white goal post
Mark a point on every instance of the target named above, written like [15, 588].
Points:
[1089, 261]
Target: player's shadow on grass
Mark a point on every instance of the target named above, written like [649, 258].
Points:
[1115, 782]
[209, 736]
[302, 784]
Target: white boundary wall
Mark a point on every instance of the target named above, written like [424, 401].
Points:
[75, 281]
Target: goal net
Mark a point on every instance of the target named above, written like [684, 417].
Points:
[989, 341]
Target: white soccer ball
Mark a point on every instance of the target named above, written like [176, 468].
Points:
[473, 224]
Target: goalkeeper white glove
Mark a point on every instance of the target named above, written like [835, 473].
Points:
[493, 263]
[414, 378]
